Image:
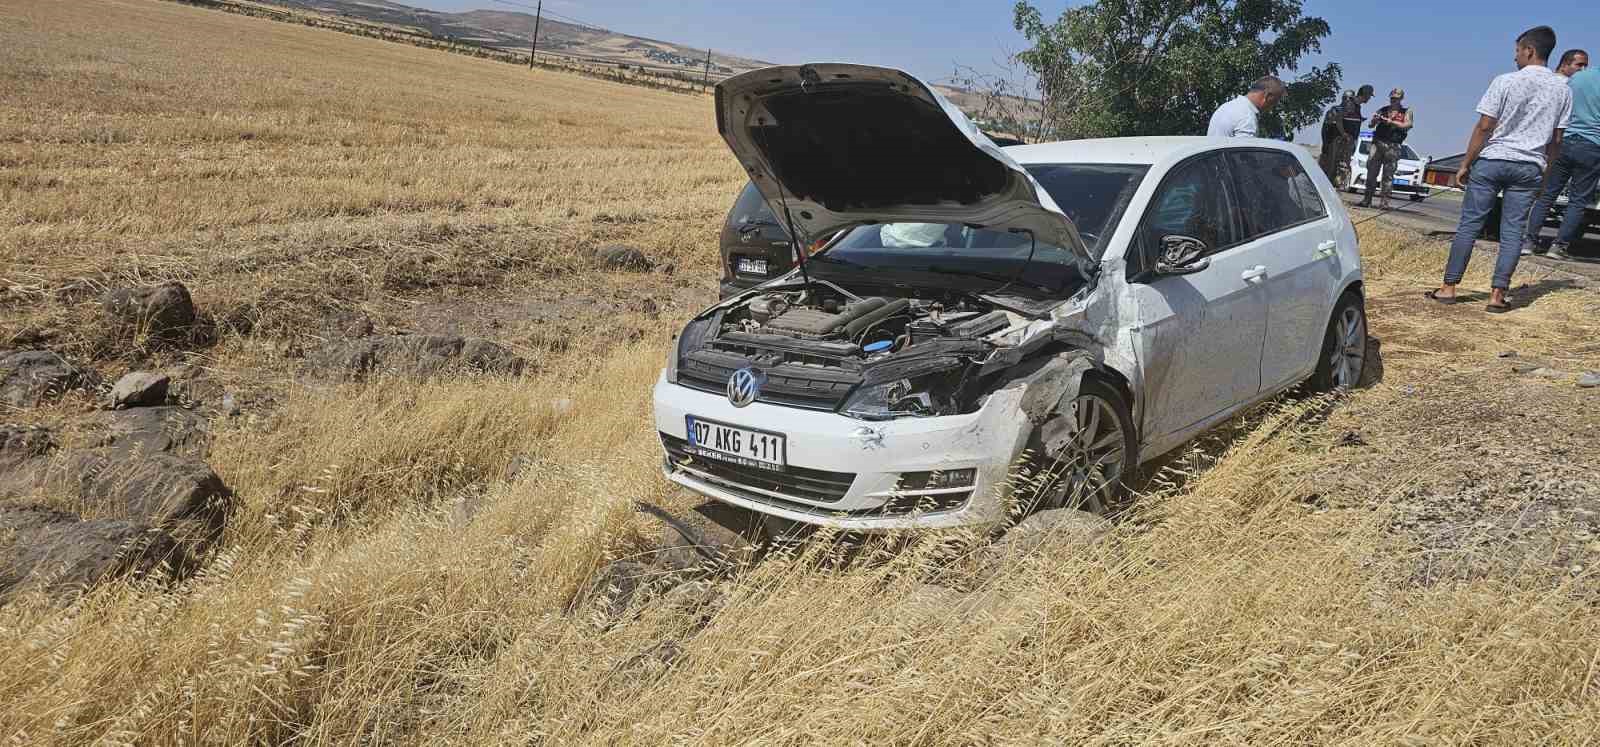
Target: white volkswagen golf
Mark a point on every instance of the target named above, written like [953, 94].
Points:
[1061, 310]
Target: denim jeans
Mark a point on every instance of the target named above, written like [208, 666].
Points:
[1518, 181]
[1579, 164]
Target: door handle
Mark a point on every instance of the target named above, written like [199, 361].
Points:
[1326, 249]
[1254, 273]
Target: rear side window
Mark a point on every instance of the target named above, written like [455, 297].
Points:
[1274, 192]
[751, 207]
[1191, 202]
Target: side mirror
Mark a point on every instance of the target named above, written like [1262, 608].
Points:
[1182, 255]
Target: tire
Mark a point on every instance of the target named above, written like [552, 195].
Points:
[1342, 359]
[1060, 483]
[1417, 198]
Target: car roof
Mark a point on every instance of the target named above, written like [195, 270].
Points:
[1134, 150]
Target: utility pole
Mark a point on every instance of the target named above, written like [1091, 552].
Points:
[707, 79]
[538, 15]
[533, 51]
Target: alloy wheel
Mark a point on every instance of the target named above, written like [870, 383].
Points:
[1089, 467]
[1349, 348]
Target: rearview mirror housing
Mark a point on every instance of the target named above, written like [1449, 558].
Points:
[1182, 255]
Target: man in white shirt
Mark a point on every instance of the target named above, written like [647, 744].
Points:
[1520, 121]
[1238, 118]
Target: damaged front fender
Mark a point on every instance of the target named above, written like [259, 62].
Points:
[1045, 389]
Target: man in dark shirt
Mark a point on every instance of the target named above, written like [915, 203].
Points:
[1340, 128]
[1392, 124]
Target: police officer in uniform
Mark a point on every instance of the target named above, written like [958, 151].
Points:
[1391, 125]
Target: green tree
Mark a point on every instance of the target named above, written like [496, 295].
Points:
[1160, 67]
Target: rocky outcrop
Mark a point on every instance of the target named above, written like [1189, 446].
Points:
[30, 377]
[621, 257]
[56, 552]
[159, 312]
[146, 430]
[413, 356]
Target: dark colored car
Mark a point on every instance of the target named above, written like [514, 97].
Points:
[755, 247]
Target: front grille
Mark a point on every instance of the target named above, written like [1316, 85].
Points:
[786, 385]
[817, 485]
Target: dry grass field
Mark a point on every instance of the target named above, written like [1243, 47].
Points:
[1413, 564]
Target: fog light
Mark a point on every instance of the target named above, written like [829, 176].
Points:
[938, 480]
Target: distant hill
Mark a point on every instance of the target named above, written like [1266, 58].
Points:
[512, 30]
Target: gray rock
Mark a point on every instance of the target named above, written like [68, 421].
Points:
[163, 312]
[614, 587]
[1548, 373]
[20, 443]
[620, 257]
[413, 355]
[464, 509]
[59, 554]
[30, 377]
[1589, 380]
[140, 388]
[146, 430]
[1506, 354]
[157, 489]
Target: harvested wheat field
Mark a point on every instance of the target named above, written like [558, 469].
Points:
[419, 552]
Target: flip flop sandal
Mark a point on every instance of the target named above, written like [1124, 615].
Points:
[1498, 308]
[1434, 296]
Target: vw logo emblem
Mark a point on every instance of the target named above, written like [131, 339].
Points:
[744, 386]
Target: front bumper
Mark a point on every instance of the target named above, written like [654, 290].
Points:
[868, 457]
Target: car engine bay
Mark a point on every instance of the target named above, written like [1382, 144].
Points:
[874, 357]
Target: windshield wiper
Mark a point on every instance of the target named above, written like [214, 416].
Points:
[748, 226]
[981, 275]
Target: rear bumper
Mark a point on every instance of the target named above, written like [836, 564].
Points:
[1412, 185]
[867, 456]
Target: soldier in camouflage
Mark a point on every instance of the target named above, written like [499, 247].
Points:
[1391, 124]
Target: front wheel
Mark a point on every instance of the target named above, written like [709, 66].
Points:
[1344, 347]
[1090, 471]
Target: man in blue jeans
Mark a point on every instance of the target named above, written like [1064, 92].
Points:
[1576, 168]
[1520, 120]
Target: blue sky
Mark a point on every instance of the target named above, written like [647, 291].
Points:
[1442, 53]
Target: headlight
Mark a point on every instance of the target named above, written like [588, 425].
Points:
[902, 398]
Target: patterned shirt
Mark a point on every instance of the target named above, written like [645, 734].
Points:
[1529, 106]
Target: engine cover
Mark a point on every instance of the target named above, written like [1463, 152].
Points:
[816, 324]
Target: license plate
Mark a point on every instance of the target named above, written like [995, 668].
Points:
[731, 443]
[749, 266]
[1403, 181]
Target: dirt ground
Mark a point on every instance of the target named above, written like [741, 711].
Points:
[416, 560]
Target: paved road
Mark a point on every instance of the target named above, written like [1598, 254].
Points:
[1438, 214]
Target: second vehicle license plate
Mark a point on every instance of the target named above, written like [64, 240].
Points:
[748, 266]
[731, 443]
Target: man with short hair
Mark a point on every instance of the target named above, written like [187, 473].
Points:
[1576, 168]
[1240, 117]
[1391, 125]
[1573, 61]
[1520, 121]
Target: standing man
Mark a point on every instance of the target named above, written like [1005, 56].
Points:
[1333, 137]
[1577, 165]
[1239, 117]
[1519, 127]
[1393, 124]
[1573, 61]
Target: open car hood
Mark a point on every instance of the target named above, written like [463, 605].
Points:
[845, 145]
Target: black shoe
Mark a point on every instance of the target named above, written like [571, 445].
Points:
[1364, 204]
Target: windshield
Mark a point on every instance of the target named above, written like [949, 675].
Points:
[1093, 195]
